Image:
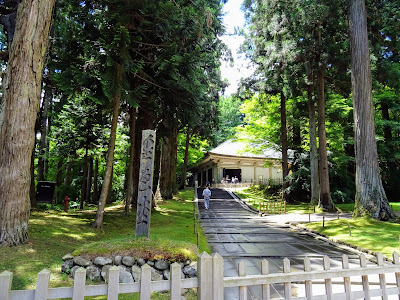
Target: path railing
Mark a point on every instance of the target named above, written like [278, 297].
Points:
[211, 282]
[271, 207]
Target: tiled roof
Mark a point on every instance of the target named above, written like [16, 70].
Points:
[237, 148]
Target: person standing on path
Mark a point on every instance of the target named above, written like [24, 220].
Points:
[207, 195]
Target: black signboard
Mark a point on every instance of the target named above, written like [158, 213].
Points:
[45, 191]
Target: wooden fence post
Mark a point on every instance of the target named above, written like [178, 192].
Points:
[287, 285]
[113, 283]
[42, 285]
[5, 285]
[382, 277]
[218, 276]
[204, 275]
[79, 284]
[308, 283]
[266, 289]
[396, 261]
[175, 281]
[242, 289]
[347, 283]
[364, 278]
[145, 282]
[328, 282]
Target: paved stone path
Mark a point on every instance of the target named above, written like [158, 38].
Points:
[237, 234]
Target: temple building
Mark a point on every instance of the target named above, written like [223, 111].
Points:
[230, 160]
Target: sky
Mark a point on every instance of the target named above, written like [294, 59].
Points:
[234, 17]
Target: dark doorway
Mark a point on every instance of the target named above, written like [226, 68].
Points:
[232, 173]
[210, 178]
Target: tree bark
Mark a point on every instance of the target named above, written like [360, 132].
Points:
[314, 173]
[284, 143]
[132, 130]
[371, 198]
[110, 188]
[168, 158]
[58, 180]
[84, 178]
[89, 180]
[41, 176]
[95, 181]
[156, 173]
[325, 200]
[19, 106]
[185, 159]
[98, 223]
[32, 192]
[144, 121]
[68, 173]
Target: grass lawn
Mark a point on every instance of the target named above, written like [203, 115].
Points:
[366, 233]
[52, 234]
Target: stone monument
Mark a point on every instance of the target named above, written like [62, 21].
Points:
[145, 183]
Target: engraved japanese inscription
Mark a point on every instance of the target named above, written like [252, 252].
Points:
[145, 183]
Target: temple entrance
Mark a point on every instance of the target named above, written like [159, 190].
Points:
[232, 173]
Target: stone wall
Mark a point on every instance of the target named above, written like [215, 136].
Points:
[97, 269]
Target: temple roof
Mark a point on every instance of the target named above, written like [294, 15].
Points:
[237, 148]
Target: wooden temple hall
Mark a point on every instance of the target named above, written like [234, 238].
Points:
[230, 163]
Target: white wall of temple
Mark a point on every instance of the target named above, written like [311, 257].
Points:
[247, 174]
[276, 173]
[262, 173]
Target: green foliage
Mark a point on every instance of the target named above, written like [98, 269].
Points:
[229, 117]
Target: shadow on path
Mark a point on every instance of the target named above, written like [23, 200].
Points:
[238, 234]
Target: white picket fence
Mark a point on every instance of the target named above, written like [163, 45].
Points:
[211, 281]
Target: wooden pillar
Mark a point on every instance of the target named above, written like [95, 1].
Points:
[205, 278]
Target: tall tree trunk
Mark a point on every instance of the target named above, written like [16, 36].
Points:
[21, 88]
[98, 223]
[185, 159]
[157, 168]
[95, 181]
[58, 180]
[32, 192]
[41, 176]
[84, 178]
[370, 196]
[314, 173]
[144, 121]
[68, 173]
[325, 201]
[168, 158]
[110, 189]
[284, 143]
[89, 180]
[132, 130]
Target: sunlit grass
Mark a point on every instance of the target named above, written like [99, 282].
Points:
[52, 234]
[366, 233]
